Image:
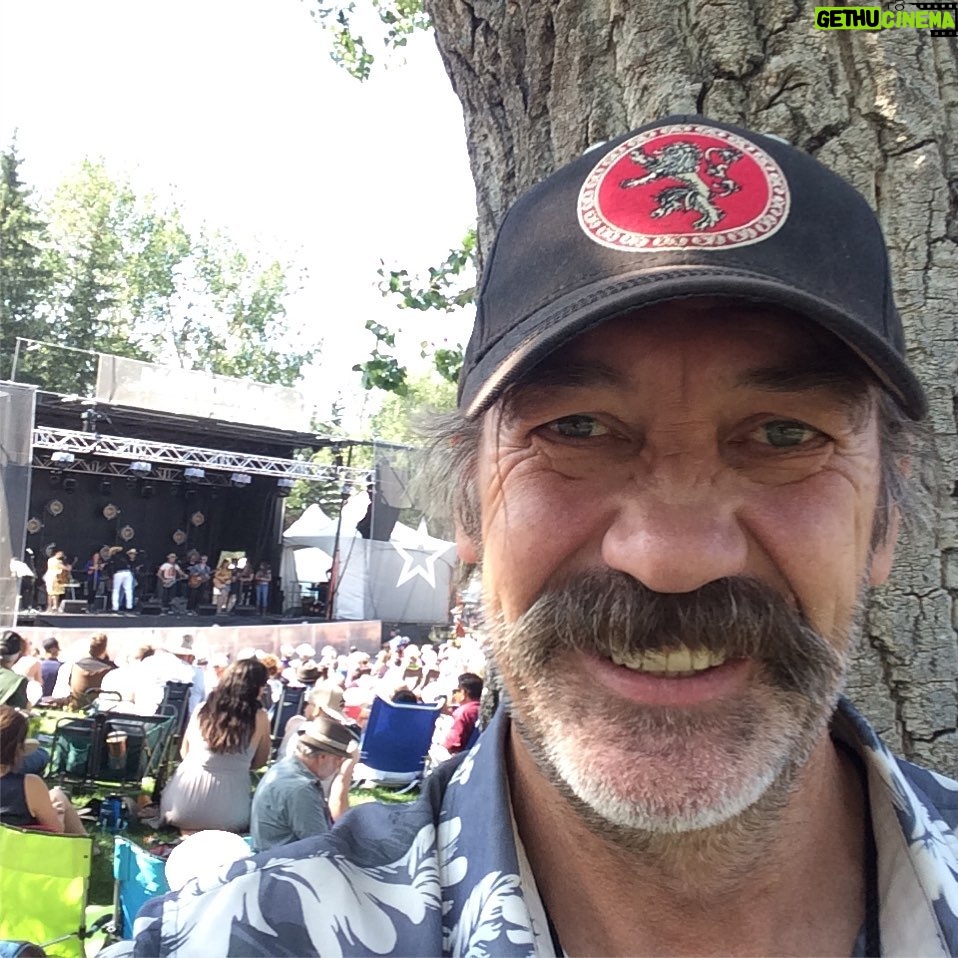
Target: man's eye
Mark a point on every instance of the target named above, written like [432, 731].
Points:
[786, 434]
[577, 427]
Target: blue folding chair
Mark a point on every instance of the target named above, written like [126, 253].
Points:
[395, 743]
[289, 705]
[138, 876]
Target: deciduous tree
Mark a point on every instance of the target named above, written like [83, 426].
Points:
[542, 82]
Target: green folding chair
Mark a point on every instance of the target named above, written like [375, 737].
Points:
[44, 884]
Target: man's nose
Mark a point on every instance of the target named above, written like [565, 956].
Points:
[676, 544]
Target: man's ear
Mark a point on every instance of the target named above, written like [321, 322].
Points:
[884, 553]
[466, 546]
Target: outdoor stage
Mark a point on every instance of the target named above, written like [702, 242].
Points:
[227, 633]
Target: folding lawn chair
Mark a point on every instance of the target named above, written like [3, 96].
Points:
[138, 876]
[289, 705]
[44, 883]
[395, 743]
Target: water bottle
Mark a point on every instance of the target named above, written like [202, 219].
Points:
[113, 814]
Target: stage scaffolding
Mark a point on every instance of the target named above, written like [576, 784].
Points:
[92, 453]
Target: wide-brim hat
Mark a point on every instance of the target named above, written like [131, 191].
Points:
[326, 695]
[683, 207]
[309, 672]
[328, 733]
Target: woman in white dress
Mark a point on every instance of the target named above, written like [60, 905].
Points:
[227, 736]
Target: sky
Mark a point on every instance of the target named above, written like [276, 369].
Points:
[233, 109]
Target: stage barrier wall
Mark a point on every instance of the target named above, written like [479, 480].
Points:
[365, 636]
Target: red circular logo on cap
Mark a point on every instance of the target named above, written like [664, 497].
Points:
[683, 186]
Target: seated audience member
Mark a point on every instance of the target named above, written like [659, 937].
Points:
[76, 682]
[274, 683]
[466, 714]
[13, 687]
[402, 696]
[128, 680]
[227, 736]
[25, 800]
[50, 665]
[325, 694]
[28, 665]
[217, 664]
[186, 653]
[290, 802]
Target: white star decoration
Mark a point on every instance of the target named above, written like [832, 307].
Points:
[413, 565]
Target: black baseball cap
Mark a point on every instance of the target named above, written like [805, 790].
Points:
[683, 206]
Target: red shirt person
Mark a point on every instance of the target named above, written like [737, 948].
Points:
[466, 715]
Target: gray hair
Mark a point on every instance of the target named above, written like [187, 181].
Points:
[305, 750]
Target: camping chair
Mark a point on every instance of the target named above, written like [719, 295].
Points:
[395, 743]
[289, 705]
[44, 883]
[114, 748]
[176, 697]
[138, 876]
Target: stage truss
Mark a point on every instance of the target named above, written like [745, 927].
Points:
[94, 453]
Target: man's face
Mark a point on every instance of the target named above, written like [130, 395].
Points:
[666, 478]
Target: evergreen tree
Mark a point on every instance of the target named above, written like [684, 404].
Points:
[25, 273]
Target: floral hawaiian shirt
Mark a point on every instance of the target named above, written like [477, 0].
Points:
[444, 875]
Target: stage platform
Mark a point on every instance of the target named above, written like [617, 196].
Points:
[103, 621]
[222, 633]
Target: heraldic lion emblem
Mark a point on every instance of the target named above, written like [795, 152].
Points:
[703, 175]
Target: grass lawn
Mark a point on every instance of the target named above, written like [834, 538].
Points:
[101, 877]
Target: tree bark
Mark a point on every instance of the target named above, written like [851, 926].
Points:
[542, 80]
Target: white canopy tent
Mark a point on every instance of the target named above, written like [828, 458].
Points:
[407, 579]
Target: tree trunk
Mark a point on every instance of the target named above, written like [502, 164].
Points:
[542, 81]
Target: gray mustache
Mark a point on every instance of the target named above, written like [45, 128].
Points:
[607, 612]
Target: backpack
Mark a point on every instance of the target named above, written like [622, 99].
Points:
[86, 676]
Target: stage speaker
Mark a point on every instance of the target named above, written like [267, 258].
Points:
[245, 610]
[100, 603]
[379, 521]
[151, 608]
[207, 610]
[73, 606]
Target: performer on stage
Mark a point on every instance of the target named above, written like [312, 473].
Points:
[262, 579]
[95, 577]
[121, 564]
[56, 579]
[222, 578]
[246, 576]
[169, 576]
[199, 583]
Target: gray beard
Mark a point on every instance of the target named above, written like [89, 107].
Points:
[764, 740]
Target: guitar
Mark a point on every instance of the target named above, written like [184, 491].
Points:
[178, 576]
[197, 579]
[65, 575]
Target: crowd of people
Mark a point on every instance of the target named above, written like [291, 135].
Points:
[230, 724]
[121, 577]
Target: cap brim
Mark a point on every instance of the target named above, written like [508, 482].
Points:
[566, 318]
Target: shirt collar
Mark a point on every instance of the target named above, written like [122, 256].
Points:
[917, 848]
